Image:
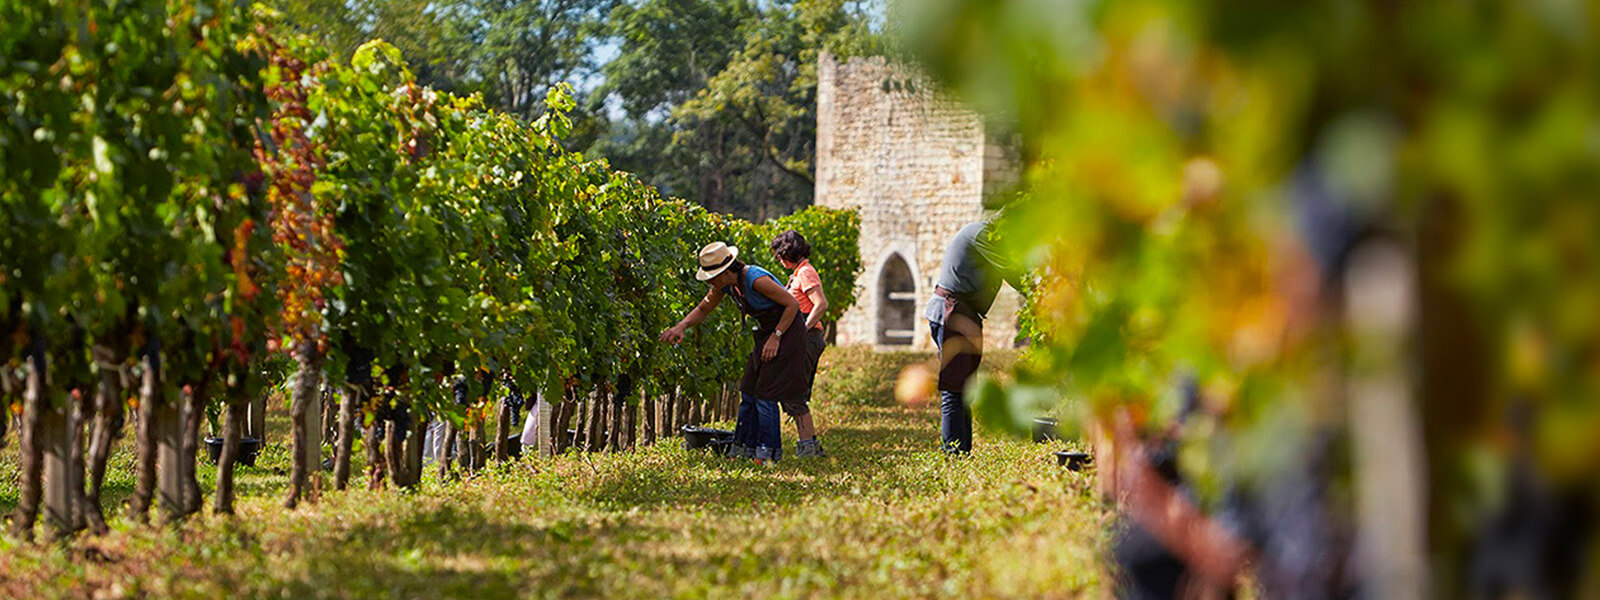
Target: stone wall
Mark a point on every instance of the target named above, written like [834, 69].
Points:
[915, 163]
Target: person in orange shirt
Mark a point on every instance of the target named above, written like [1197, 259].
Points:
[805, 285]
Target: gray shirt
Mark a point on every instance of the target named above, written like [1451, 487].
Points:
[973, 269]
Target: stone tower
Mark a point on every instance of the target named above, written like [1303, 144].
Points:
[917, 165]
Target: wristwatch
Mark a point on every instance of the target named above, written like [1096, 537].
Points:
[777, 333]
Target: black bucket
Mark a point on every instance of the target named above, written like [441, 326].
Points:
[695, 438]
[1073, 461]
[248, 448]
[1044, 430]
[514, 446]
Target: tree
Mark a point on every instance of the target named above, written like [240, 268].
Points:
[718, 96]
[721, 96]
[510, 51]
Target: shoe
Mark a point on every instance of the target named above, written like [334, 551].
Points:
[765, 454]
[737, 451]
[809, 448]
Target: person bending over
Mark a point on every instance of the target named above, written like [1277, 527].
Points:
[969, 279]
[776, 368]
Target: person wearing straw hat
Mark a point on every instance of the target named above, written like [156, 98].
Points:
[776, 369]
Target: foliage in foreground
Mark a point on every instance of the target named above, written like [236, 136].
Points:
[1363, 231]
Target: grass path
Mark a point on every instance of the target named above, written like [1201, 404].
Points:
[886, 516]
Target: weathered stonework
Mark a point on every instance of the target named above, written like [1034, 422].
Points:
[917, 165]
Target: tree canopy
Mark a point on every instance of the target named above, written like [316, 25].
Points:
[716, 99]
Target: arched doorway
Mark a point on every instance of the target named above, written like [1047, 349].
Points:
[897, 302]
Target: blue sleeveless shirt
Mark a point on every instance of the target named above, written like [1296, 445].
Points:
[751, 301]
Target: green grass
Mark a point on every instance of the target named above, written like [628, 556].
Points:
[886, 516]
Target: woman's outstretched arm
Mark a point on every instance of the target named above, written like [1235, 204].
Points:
[674, 334]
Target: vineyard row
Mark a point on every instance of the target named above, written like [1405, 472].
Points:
[201, 208]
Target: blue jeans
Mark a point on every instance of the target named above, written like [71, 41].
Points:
[955, 424]
[758, 427]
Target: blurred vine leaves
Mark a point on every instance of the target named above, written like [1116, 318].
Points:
[1197, 170]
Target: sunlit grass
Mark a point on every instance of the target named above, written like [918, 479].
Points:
[885, 516]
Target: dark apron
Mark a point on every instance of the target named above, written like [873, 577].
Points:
[960, 363]
[783, 378]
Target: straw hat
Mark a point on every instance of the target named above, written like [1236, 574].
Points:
[714, 259]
